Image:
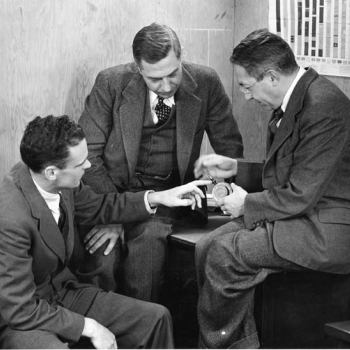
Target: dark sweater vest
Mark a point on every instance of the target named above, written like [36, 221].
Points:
[157, 153]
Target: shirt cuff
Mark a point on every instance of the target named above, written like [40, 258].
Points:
[152, 211]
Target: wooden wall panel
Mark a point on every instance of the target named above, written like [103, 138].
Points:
[252, 119]
[52, 51]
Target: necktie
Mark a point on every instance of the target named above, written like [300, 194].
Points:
[162, 111]
[62, 219]
[277, 115]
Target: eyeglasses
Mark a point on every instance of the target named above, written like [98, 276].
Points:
[247, 90]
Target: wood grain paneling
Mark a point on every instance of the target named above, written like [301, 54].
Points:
[252, 119]
[52, 51]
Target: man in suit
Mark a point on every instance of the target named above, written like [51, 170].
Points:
[301, 220]
[42, 304]
[133, 147]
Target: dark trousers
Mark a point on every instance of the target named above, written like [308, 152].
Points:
[137, 266]
[136, 324]
[230, 262]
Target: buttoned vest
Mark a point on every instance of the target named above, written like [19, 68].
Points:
[157, 153]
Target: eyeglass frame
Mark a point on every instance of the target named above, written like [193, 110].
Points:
[247, 90]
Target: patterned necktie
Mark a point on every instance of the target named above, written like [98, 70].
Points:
[162, 111]
[277, 115]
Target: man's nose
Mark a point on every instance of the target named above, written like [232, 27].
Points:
[87, 164]
[248, 96]
[166, 87]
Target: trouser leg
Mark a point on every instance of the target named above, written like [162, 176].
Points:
[135, 323]
[230, 262]
[97, 268]
[35, 339]
[146, 259]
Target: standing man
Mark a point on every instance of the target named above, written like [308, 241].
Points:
[301, 220]
[144, 124]
[42, 304]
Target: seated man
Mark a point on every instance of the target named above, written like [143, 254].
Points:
[42, 304]
[144, 124]
[301, 220]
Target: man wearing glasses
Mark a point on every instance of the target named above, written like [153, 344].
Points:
[301, 220]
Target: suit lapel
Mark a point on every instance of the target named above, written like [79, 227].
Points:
[48, 228]
[131, 118]
[294, 106]
[188, 108]
[284, 130]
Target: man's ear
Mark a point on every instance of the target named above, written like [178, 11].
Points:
[139, 68]
[51, 172]
[274, 77]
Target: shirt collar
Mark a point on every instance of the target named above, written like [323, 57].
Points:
[154, 99]
[291, 88]
[52, 200]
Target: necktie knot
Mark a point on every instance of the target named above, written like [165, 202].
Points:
[277, 115]
[162, 111]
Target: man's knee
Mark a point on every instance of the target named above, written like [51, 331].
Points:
[162, 313]
[203, 245]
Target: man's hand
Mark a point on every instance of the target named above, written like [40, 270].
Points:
[233, 203]
[100, 234]
[100, 336]
[216, 166]
[181, 196]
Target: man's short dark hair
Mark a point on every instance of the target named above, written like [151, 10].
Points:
[46, 141]
[262, 50]
[153, 43]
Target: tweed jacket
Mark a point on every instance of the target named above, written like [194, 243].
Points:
[33, 257]
[306, 177]
[113, 119]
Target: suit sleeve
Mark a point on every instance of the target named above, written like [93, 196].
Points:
[309, 168]
[97, 122]
[20, 309]
[111, 208]
[221, 125]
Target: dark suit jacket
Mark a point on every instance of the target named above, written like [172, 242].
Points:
[33, 257]
[306, 178]
[113, 120]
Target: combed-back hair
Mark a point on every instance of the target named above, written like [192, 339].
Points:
[153, 43]
[46, 141]
[262, 50]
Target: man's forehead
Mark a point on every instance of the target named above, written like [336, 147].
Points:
[77, 154]
[240, 71]
[241, 74]
[164, 67]
[160, 73]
